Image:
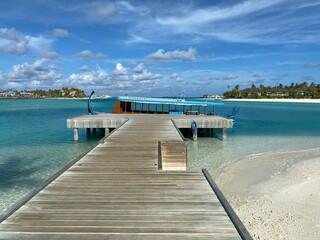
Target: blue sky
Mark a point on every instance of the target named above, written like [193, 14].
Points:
[158, 48]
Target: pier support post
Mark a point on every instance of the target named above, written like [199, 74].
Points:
[194, 131]
[212, 131]
[224, 134]
[195, 135]
[88, 131]
[106, 131]
[76, 134]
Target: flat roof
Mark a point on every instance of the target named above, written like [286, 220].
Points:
[167, 101]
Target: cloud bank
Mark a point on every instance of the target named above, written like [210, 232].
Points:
[162, 55]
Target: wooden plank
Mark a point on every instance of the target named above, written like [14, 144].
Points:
[173, 155]
[117, 236]
[116, 192]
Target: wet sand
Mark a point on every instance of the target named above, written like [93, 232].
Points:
[276, 195]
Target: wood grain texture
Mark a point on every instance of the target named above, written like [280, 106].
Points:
[117, 192]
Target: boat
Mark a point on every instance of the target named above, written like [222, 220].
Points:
[146, 105]
[212, 97]
[90, 111]
[233, 114]
[102, 96]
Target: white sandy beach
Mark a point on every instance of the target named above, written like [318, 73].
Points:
[276, 195]
[283, 100]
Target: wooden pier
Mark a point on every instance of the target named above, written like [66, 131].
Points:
[116, 191]
[107, 121]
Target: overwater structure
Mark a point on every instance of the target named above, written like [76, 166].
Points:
[127, 104]
[135, 184]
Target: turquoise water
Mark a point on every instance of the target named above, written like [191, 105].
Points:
[35, 142]
[260, 128]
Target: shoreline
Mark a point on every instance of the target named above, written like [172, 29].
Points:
[278, 100]
[276, 195]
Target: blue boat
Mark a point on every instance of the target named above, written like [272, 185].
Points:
[146, 105]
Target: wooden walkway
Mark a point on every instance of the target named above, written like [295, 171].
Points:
[117, 192]
[107, 121]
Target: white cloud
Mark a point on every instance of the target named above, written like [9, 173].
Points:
[36, 84]
[203, 82]
[247, 21]
[91, 78]
[39, 43]
[100, 10]
[176, 76]
[230, 77]
[120, 70]
[199, 17]
[88, 81]
[88, 55]
[146, 76]
[161, 55]
[12, 35]
[137, 39]
[13, 85]
[48, 54]
[16, 43]
[36, 71]
[121, 79]
[38, 74]
[84, 68]
[13, 42]
[124, 6]
[139, 68]
[59, 32]
[232, 23]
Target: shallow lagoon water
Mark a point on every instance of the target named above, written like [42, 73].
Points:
[35, 142]
[260, 128]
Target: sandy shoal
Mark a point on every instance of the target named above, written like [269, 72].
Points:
[276, 195]
[281, 100]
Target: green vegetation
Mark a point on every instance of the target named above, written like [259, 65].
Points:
[56, 93]
[298, 90]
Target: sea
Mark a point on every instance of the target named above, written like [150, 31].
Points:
[35, 142]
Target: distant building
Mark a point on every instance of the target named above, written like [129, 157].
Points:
[277, 92]
[300, 92]
[250, 92]
[208, 96]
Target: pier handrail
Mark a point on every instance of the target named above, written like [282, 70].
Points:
[243, 232]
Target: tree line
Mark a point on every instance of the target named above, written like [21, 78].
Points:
[294, 90]
[39, 93]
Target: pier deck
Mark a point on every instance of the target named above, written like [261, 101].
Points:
[117, 192]
[108, 121]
